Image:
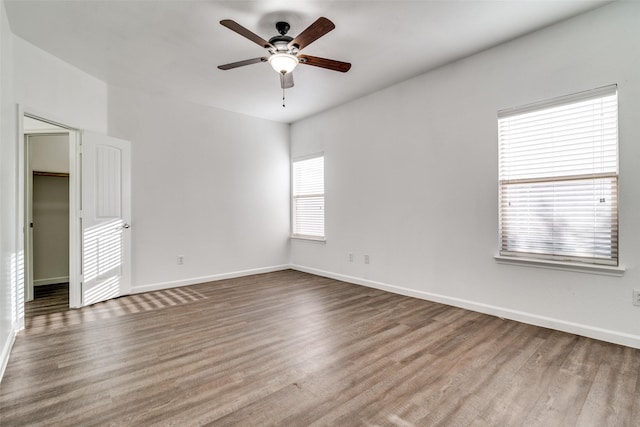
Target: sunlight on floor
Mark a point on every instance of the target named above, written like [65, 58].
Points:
[137, 303]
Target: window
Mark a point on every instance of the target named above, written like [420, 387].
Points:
[308, 197]
[558, 171]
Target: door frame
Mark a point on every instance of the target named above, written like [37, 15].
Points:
[25, 274]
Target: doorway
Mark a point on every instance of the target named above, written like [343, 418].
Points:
[46, 208]
[99, 192]
[50, 247]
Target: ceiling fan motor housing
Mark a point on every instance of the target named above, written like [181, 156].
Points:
[282, 27]
[281, 42]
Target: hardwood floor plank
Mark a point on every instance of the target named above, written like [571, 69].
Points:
[465, 389]
[613, 388]
[531, 382]
[410, 379]
[289, 348]
[576, 374]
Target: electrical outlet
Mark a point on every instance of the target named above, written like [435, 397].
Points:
[636, 297]
[180, 259]
[366, 259]
[350, 256]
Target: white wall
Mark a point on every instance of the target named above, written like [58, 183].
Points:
[46, 85]
[207, 184]
[49, 153]
[50, 230]
[8, 186]
[411, 179]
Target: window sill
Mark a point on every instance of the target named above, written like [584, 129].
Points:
[310, 239]
[607, 270]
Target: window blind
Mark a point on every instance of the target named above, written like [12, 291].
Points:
[308, 197]
[558, 171]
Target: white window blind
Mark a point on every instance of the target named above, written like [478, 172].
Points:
[308, 198]
[558, 171]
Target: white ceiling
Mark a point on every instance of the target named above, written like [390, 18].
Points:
[174, 47]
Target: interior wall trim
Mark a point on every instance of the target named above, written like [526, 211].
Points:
[51, 281]
[6, 351]
[204, 279]
[607, 335]
[51, 174]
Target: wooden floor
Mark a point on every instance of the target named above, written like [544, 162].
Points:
[47, 300]
[292, 349]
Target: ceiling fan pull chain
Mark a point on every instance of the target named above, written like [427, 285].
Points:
[282, 73]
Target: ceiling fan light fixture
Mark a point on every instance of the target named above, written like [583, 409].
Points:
[283, 63]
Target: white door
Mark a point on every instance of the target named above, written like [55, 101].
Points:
[105, 217]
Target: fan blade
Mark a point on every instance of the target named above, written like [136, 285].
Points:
[286, 80]
[329, 64]
[234, 26]
[241, 63]
[313, 32]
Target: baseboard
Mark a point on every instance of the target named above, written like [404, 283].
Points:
[51, 281]
[204, 279]
[615, 337]
[6, 351]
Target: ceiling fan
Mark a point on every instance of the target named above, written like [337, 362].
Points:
[284, 50]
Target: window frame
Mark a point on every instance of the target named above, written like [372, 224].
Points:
[294, 198]
[551, 259]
